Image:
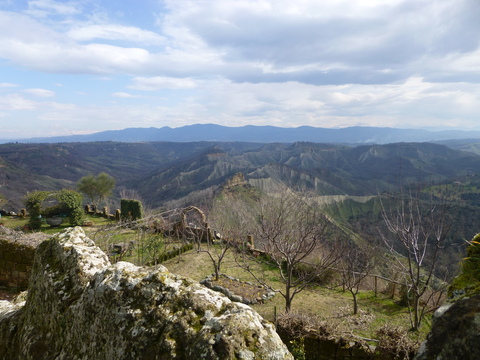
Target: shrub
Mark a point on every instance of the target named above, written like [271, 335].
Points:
[69, 202]
[131, 209]
[322, 278]
[33, 204]
[468, 282]
[394, 343]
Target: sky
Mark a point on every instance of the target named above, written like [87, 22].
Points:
[84, 66]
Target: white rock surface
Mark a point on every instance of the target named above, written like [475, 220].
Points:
[79, 306]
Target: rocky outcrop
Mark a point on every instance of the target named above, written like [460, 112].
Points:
[455, 332]
[79, 306]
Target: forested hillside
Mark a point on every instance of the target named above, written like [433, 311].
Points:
[167, 174]
[164, 171]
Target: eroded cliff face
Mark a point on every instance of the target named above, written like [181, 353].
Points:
[79, 306]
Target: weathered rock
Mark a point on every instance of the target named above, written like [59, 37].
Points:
[455, 332]
[79, 306]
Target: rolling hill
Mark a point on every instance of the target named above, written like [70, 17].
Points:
[166, 171]
[324, 169]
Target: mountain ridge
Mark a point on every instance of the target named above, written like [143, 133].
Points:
[261, 134]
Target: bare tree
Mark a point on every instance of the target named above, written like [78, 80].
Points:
[418, 230]
[356, 264]
[195, 228]
[291, 230]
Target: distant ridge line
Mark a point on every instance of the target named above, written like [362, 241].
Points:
[261, 134]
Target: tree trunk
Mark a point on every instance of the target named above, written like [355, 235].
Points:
[355, 303]
[288, 299]
[217, 272]
[416, 317]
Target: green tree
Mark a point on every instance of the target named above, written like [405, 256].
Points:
[131, 210]
[33, 204]
[96, 188]
[72, 202]
[69, 201]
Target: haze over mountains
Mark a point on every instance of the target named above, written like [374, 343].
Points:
[262, 134]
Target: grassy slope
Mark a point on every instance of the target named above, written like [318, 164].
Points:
[331, 304]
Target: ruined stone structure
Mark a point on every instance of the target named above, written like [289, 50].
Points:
[80, 306]
[15, 264]
[200, 230]
[16, 257]
[236, 180]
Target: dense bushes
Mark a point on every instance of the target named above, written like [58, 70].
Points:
[69, 202]
[33, 204]
[468, 282]
[72, 203]
[175, 252]
[131, 209]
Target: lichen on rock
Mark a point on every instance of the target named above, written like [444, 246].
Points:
[80, 306]
[455, 332]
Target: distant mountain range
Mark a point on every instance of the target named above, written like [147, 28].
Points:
[262, 134]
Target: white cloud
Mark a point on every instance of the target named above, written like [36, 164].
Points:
[337, 42]
[307, 62]
[40, 92]
[125, 95]
[7, 85]
[115, 32]
[160, 82]
[17, 102]
[46, 7]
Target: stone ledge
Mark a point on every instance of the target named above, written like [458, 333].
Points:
[235, 297]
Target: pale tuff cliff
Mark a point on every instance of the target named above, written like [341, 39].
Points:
[79, 306]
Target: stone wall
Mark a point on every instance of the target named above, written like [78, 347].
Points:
[16, 262]
[17, 251]
[331, 348]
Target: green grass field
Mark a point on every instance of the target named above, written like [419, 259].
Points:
[332, 305]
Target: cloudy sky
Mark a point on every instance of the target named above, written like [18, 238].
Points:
[83, 66]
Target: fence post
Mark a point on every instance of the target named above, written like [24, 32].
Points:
[376, 278]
